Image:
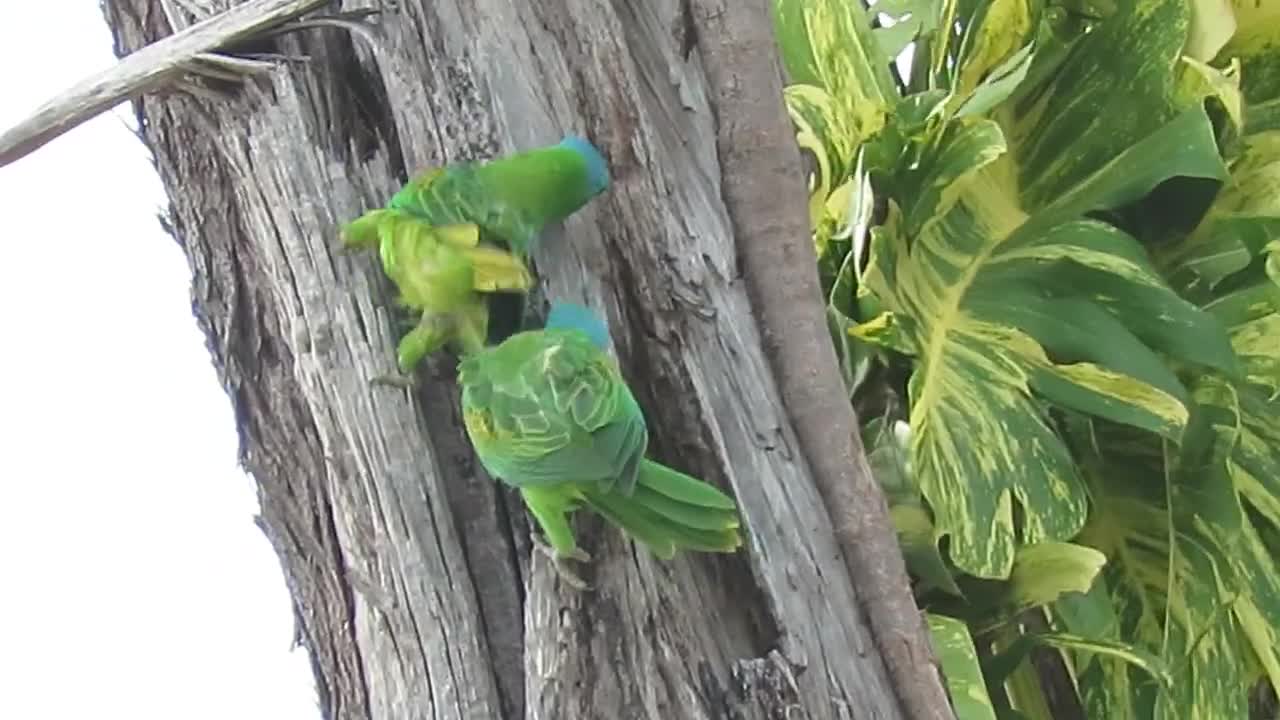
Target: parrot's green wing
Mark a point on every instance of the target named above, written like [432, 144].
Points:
[439, 271]
[549, 407]
[453, 231]
[436, 267]
[511, 198]
[463, 194]
[549, 413]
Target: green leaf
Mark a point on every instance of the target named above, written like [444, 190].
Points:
[1017, 679]
[1189, 576]
[1244, 218]
[1180, 612]
[824, 134]
[1244, 421]
[963, 306]
[1249, 314]
[1148, 662]
[1255, 43]
[919, 542]
[999, 85]
[1005, 296]
[829, 44]
[1131, 59]
[1201, 80]
[960, 667]
[1213, 22]
[1044, 572]
[1185, 145]
[1084, 648]
[995, 34]
[895, 38]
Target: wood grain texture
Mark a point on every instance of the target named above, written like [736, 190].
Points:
[409, 568]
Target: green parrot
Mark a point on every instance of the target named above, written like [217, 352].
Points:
[454, 234]
[550, 414]
[441, 272]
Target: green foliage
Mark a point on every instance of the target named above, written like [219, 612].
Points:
[1051, 253]
[960, 667]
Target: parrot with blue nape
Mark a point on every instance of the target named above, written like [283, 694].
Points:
[549, 413]
[455, 233]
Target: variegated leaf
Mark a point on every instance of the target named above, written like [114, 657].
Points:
[960, 667]
[1190, 574]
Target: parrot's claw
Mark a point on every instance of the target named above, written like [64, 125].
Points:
[403, 382]
[558, 562]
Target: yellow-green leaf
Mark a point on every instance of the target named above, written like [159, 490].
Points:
[1007, 297]
[960, 667]
[1044, 572]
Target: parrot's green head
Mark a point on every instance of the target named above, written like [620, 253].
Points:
[597, 168]
[571, 316]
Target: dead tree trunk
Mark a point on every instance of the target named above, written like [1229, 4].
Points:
[409, 568]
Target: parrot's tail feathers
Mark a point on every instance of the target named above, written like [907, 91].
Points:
[660, 533]
[670, 511]
[678, 486]
[619, 511]
[691, 516]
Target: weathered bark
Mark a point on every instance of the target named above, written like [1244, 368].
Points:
[408, 566]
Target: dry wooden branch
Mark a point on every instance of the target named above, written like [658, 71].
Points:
[152, 67]
[754, 140]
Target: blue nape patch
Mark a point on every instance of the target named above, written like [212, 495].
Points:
[597, 168]
[571, 316]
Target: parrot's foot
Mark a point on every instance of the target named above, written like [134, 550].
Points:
[558, 562]
[403, 382]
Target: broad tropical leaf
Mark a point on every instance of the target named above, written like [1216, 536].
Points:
[902, 22]
[1074, 348]
[1184, 580]
[840, 85]
[1043, 573]
[960, 667]
[1007, 297]
[829, 44]
[1190, 574]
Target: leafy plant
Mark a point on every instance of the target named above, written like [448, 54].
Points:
[1051, 247]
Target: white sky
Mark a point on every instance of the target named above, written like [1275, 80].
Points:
[133, 583]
